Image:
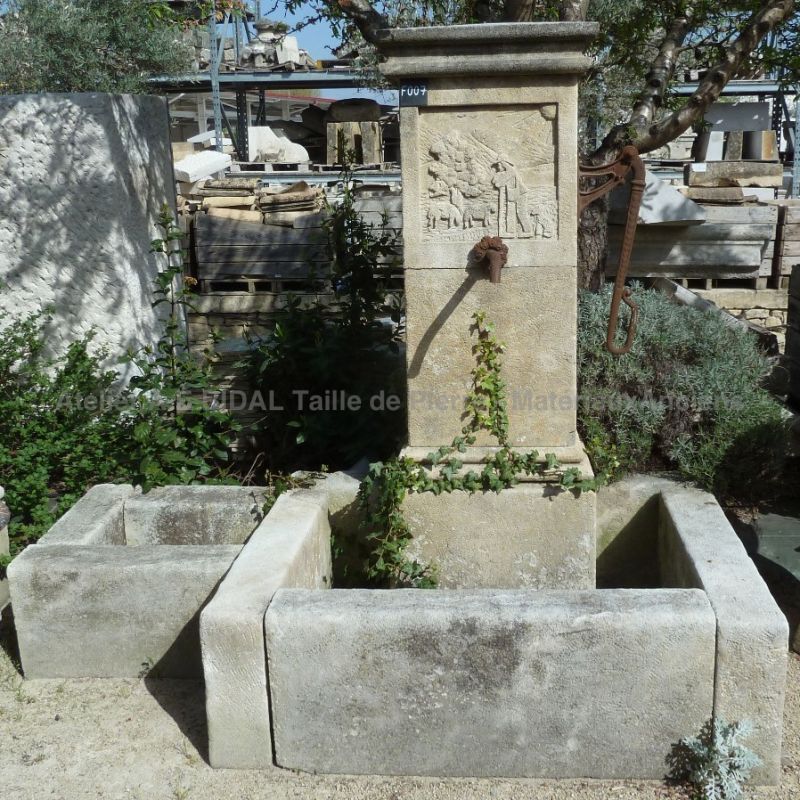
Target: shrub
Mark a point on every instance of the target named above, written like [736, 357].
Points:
[350, 347]
[66, 424]
[716, 763]
[58, 431]
[688, 396]
[177, 434]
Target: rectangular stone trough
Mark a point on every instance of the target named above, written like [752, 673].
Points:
[116, 586]
[492, 682]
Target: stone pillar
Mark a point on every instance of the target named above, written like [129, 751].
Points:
[492, 151]
[354, 126]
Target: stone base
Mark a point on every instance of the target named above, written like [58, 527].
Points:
[532, 536]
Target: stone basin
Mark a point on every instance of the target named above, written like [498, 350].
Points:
[115, 587]
[495, 682]
[477, 682]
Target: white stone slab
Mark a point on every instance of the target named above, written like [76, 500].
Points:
[716, 146]
[287, 49]
[265, 145]
[201, 165]
[209, 137]
[662, 204]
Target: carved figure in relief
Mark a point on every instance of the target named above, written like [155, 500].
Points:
[447, 211]
[473, 185]
[513, 199]
[479, 214]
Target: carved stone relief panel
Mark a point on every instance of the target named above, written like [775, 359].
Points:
[488, 171]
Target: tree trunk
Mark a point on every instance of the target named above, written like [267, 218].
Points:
[593, 245]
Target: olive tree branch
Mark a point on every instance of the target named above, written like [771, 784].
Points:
[649, 134]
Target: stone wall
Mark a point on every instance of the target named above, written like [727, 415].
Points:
[768, 308]
[83, 177]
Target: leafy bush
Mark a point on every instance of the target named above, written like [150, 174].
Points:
[348, 349]
[716, 763]
[66, 424]
[87, 45]
[688, 396]
[58, 433]
[177, 435]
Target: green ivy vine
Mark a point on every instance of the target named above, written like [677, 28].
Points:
[386, 485]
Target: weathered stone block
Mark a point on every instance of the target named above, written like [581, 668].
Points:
[82, 182]
[355, 109]
[97, 518]
[698, 548]
[87, 605]
[761, 146]
[733, 146]
[194, 515]
[291, 547]
[201, 165]
[96, 611]
[488, 683]
[715, 194]
[735, 173]
[532, 536]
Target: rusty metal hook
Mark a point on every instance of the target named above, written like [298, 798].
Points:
[628, 161]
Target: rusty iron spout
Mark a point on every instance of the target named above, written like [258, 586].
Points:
[493, 254]
[496, 261]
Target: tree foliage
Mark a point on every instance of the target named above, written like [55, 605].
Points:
[87, 45]
[641, 50]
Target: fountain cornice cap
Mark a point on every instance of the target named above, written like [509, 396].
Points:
[502, 48]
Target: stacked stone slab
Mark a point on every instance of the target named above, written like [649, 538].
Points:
[766, 308]
[729, 242]
[788, 251]
[793, 336]
[493, 152]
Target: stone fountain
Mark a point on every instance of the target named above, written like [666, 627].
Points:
[489, 149]
[519, 666]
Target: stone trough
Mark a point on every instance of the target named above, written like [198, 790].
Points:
[575, 636]
[493, 682]
[465, 682]
[116, 586]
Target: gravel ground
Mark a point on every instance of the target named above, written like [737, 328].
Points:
[145, 740]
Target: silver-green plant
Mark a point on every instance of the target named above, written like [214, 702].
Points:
[716, 763]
